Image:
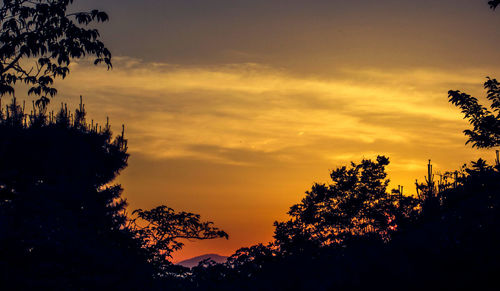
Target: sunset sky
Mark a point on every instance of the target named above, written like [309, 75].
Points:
[233, 108]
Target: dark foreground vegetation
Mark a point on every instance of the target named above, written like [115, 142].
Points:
[450, 241]
[354, 234]
[64, 225]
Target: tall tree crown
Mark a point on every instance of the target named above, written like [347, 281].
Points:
[356, 203]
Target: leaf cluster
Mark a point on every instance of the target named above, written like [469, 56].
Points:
[44, 32]
[485, 122]
[493, 4]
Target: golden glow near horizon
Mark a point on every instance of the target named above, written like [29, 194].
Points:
[241, 143]
[233, 109]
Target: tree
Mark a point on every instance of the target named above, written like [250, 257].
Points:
[494, 3]
[63, 224]
[161, 230]
[38, 40]
[485, 122]
[355, 204]
[61, 219]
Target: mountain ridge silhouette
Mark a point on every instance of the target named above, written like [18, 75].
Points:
[193, 262]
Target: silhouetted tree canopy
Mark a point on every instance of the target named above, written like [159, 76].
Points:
[494, 3]
[453, 247]
[164, 228]
[61, 221]
[38, 40]
[63, 224]
[161, 231]
[355, 204]
[485, 122]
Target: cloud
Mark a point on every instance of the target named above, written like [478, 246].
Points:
[175, 111]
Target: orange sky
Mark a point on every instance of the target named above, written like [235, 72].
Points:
[234, 108]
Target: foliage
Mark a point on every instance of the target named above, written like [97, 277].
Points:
[454, 247]
[250, 260]
[355, 204]
[162, 230]
[494, 3]
[486, 123]
[61, 221]
[63, 225]
[60, 213]
[38, 40]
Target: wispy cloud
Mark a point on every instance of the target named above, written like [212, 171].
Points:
[173, 111]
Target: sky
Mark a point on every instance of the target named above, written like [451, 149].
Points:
[234, 108]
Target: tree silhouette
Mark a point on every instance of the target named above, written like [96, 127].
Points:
[454, 247]
[61, 220]
[43, 30]
[161, 230]
[486, 123]
[355, 204]
[63, 224]
[494, 4]
[60, 213]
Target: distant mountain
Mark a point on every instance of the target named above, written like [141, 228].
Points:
[193, 262]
